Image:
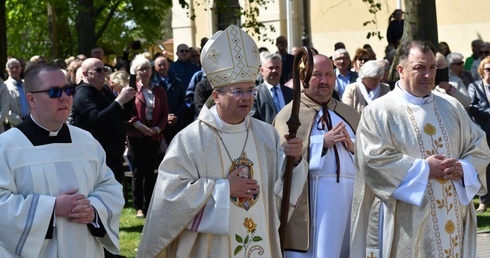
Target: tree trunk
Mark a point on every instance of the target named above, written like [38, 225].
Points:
[420, 23]
[85, 27]
[3, 37]
[53, 31]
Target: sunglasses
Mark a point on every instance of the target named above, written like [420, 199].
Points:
[362, 60]
[458, 63]
[184, 51]
[56, 92]
[101, 70]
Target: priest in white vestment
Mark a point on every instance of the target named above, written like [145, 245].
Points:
[320, 225]
[219, 186]
[57, 196]
[418, 151]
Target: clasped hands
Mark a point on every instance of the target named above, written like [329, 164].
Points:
[338, 134]
[444, 168]
[74, 206]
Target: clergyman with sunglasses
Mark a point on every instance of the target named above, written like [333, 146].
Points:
[97, 110]
[58, 196]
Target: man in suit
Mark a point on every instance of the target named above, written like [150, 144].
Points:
[19, 108]
[271, 94]
[343, 73]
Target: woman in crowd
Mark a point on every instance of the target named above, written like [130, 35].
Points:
[360, 57]
[148, 122]
[480, 111]
[367, 87]
[444, 48]
[118, 80]
[394, 32]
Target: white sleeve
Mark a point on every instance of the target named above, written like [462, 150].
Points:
[214, 218]
[412, 187]
[471, 185]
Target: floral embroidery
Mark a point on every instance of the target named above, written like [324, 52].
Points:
[244, 243]
[449, 228]
[436, 144]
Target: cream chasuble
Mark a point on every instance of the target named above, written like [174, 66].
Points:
[445, 216]
[421, 217]
[192, 213]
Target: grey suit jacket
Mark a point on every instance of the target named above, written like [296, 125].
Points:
[263, 108]
[14, 116]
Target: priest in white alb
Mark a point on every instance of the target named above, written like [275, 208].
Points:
[219, 186]
[57, 196]
[418, 151]
[320, 224]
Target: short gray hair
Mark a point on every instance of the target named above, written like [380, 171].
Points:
[372, 69]
[271, 57]
[138, 62]
[453, 56]
[340, 51]
[11, 61]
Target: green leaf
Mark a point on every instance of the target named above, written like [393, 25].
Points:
[237, 250]
[238, 238]
[247, 238]
[257, 239]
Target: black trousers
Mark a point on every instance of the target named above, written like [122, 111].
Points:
[115, 163]
[143, 159]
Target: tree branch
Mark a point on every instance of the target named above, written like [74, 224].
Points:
[102, 28]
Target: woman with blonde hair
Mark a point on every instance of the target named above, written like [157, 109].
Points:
[118, 80]
[479, 110]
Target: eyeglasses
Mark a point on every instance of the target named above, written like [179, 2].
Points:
[485, 53]
[100, 70]
[56, 92]
[238, 93]
[195, 55]
[184, 51]
[144, 69]
[487, 69]
[458, 63]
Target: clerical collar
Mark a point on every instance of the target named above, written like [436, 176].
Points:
[39, 135]
[229, 128]
[51, 133]
[407, 96]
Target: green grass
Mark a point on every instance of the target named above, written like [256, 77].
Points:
[129, 231]
[131, 227]
[483, 219]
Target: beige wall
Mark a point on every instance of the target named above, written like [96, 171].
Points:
[459, 22]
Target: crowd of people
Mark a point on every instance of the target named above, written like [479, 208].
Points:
[389, 169]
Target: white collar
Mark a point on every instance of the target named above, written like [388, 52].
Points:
[411, 98]
[51, 133]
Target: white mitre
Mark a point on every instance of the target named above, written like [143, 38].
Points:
[229, 57]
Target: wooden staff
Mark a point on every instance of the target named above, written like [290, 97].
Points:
[304, 57]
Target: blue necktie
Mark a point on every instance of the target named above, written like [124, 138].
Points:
[24, 108]
[275, 98]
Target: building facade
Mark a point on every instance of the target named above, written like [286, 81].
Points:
[331, 21]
